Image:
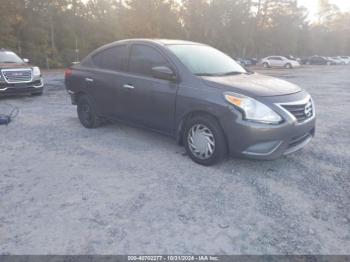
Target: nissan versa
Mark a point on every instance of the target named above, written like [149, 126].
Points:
[17, 76]
[194, 93]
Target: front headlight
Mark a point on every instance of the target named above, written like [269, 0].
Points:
[252, 109]
[36, 71]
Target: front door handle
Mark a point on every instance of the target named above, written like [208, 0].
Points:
[88, 79]
[128, 86]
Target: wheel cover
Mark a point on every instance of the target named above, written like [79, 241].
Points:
[201, 141]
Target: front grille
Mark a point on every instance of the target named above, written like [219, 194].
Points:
[302, 112]
[17, 76]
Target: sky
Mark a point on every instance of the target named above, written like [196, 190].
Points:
[312, 5]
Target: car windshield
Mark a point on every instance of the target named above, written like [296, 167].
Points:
[9, 57]
[204, 60]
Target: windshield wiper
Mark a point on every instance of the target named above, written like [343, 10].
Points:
[232, 73]
[206, 74]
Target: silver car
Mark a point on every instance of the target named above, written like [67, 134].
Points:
[279, 61]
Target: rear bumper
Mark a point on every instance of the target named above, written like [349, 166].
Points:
[36, 86]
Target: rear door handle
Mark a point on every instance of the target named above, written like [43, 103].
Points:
[88, 79]
[128, 86]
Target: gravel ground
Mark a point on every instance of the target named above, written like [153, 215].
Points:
[65, 189]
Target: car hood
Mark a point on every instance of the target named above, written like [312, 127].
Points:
[253, 85]
[9, 65]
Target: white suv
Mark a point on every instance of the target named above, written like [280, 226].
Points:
[279, 61]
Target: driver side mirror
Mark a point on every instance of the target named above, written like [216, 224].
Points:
[26, 60]
[163, 72]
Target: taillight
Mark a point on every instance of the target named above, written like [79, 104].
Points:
[68, 73]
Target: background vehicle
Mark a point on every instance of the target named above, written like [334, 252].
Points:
[346, 59]
[337, 60]
[17, 76]
[291, 57]
[253, 61]
[246, 62]
[243, 62]
[279, 61]
[195, 93]
[317, 60]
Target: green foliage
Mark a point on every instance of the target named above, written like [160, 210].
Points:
[49, 32]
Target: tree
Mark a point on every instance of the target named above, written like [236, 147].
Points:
[151, 19]
[49, 32]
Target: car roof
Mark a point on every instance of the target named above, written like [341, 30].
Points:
[276, 56]
[154, 41]
[162, 42]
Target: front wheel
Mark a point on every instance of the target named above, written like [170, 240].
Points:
[86, 113]
[204, 140]
[288, 66]
[266, 65]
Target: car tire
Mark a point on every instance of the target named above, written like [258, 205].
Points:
[87, 113]
[204, 140]
[328, 63]
[308, 63]
[266, 65]
[288, 66]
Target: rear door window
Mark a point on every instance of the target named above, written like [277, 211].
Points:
[113, 58]
[143, 58]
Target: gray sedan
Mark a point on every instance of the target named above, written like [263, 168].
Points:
[194, 93]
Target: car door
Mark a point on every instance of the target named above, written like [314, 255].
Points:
[272, 61]
[279, 61]
[314, 60]
[146, 100]
[320, 61]
[107, 77]
[275, 61]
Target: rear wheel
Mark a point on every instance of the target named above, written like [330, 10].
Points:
[329, 63]
[86, 113]
[266, 65]
[204, 140]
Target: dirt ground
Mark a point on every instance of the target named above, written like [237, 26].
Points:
[65, 189]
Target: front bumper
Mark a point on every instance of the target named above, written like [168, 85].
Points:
[36, 86]
[267, 142]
